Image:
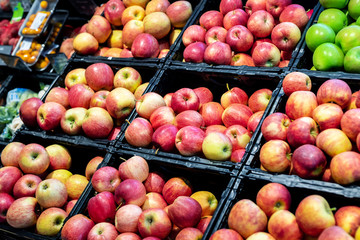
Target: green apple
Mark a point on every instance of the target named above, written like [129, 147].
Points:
[334, 3]
[354, 8]
[358, 21]
[335, 18]
[328, 57]
[348, 38]
[318, 34]
[352, 60]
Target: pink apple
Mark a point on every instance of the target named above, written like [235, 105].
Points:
[286, 36]
[327, 115]
[189, 140]
[71, 121]
[77, 227]
[194, 52]
[91, 166]
[218, 53]
[300, 104]
[5, 202]
[22, 213]
[236, 113]
[97, 123]
[130, 191]
[59, 95]
[215, 34]
[295, 13]
[154, 200]
[34, 159]
[157, 6]
[70, 205]
[275, 126]
[185, 212]
[154, 182]
[211, 19]
[204, 94]
[103, 229]
[9, 175]
[189, 233]
[237, 155]
[49, 115]
[99, 76]
[275, 7]
[252, 6]
[154, 222]
[189, 118]
[161, 116]
[10, 154]
[261, 23]
[258, 41]
[105, 179]
[336, 91]
[145, 46]
[259, 100]
[211, 113]
[179, 12]
[164, 137]
[349, 123]
[229, 5]
[204, 223]
[80, 95]
[102, 208]
[126, 218]
[113, 11]
[296, 81]
[235, 17]
[185, 99]
[148, 103]
[139, 132]
[130, 31]
[135, 167]
[239, 38]
[226, 234]
[266, 55]
[239, 136]
[192, 34]
[60, 157]
[302, 131]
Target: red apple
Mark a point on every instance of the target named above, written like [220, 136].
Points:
[154, 222]
[99, 27]
[239, 136]
[194, 52]
[211, 113]
[154, 200]
[105, 179]
[218, 53]
[300, 104]
[176, 187]
[75, 76]
[211, 19]
[189, 118]
[225, 234]
[80, 95]
[59, 95]
[34, 159]
[49, 115]
[236, 113]
[179, 12]
[296, 81]
[189, 233]
[237, 155]
[113, 11]
[102, 208]
[135, 167]
[349, 123]
[161, 116]
[336, 91]
[9, 175]
[327, 115]
[215, 34]
[120, 102]
[302, 131]
[28, 111]
[26, 186]
[252, 6]
[275, 156]
[99, 76]
[275, 126]
[130, 31]
[259, 100]
[185, 99]
[85, 44]
[266, 55]
[91, 166]
[295, 13]
[97, 123]
[130, 191]
[10, 154]
[261, 23]
[239, 38]
[185, 212]
[229, 5]
[189, 139]
[164, 137]
[192, 34]
[282, 225]
[139, 132]
[22, 213]
[241, 59]
[275, 7]
[333, 141]
[127, 77]
[99, 99]
[235, 17]
[126, 218]
[104, 229]
[148, 103]
[157, 6]
[286, 36]
[5, 202]
[77, 227]
[154, 182]
[233, 95]
[145, 46]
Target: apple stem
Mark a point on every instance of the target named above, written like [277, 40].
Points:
[121, 158]
[333, 209]
[117, 208]
[157, 150]
[127, 121]
[227, 86]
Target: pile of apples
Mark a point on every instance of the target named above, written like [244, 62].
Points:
[37, 188]
[263, 34]
[318, 135]
[312, 219]
[148, 206]
[131, 28]
[9, 32]
[336, 34]
[190, 122]
[91, 102]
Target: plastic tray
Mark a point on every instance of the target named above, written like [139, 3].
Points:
[81, 155]
[35, 8]
[248, 185]
[214, 180]
[174, 78]
[148, 73]
[177, 50]
[304, 61]
[253, 161]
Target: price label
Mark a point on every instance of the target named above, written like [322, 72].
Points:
[39, 18]
[26, 44]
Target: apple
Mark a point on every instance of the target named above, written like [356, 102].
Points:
[308, 161]
[229, 5]
[70, 205]
[61, 174]
[113, 11]
[67, 48]
[126, 218]
[157, 24]
[275, 156]
[211, 19]
[5, 202]
[334, 4]
[351, 60]
[254, 121]
[130, 31]
[296, 81]
[235, 17]
[275, 7]
[148, 103]
[237, 155]
[102, 208]
[258, 41]
[189, 118]
[104, 229]
[49, 115]
[211, 113]
[189, 233]
[139, 132]
[194, 52]
[167, 99]
[218, 53]
[34, 159]
[99, 99]
[75, 185]
[302, 131]
[217, 146]
[80, 95]
[184, 99]
[75, 76]
[85, 44]
[145, 46]
[333, 141]
[252, 6]
[50, 221]
[347, 217]
[192, 34]
[10, 154]
[207, 201]
[266, 55]
[185, 212]
[286, 36]
[353, 8]
[349, 123]
[77, 227]
[140, 90]
[99, 27]
[120, 102]
[91, 166]
[301, 104]
[60, 157]
[179, 12]
[189, 139]
[225, 234]
[239, 38]
[233, 95]
[334, 232]
[135, 167]
[336, 91]
[322, 55]
[156, 6]
[127, 77]
[28, 111]
[239, 136]
[282, 225]
[348, 161]
[204, 94]
[317, 34]
[22, 213]
[261, 23]
[154, 200]
[164, 137]
[215, 34]
[154, 222]
[296, 14]
[261, 236]
[161, 116]
[26, 186]
[51, 193]
[275, 126]
[106, 179]
[204, 223]
[154, 183]
[175, 187]
[104, 123]
[236, 114]
[335, 18]
[128, 236]
[99, 76]
[259, 100]
[244, 212]
[130, 191]
[240, 59]
[321, 215]
[327, 115]
[71, 122]
[59, 95]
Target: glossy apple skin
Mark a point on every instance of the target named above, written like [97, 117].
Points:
[128, 236]
[334, 232]
[211, 19]
[194, 52]
[302, 131]
[145, 46]
[333, 141]
[176, 187]
[164, 137]
[139, 132]
[49, 115]
[226, 234]
[104, 229]
[154, 222]
[192, 34]
[126, 218]
[26, 186]
[266, 54]
[22, 212]
[189, 139]
[336, 91]
[99, 76]
[80, 95]
[184, 99]
[236, 114]
[161, 116]
[9, 155]
[286, 36]
[275, 156]
[239, 136]
[34, 165]
[105, 179]
[275, 126]
[102, 207]
[154, 182]
[85, 44]
[77, 227]
[233, 95]
[185, 212]
[28, 110]
[51, 193]
[113, 10]
[328, 115]
[50, 221]
[300, 104]
[343, 167]
[229, 5]
[295, 13]
[259, 100]
[97, 123]
[9, 175]
[154, 200]
[135, 167]
[130, 191]
[348, 218]
[261, 23]
[148, 103]
[218, 53]
[239, 38]
[5, 202]
[296, 81]
[179, 12]
[189, 118]
[349, 123]
[275, 7]
[282, 225]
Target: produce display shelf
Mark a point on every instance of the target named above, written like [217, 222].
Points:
[176, 57]
[173, 78]
[253, 161]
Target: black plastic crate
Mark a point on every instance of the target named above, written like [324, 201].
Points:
[80, 155]
[253, 161]
[148, 74]
[174, 78]
[176, 56]
[248, 185]
[201, 177]
[303, 61]
[196, 4]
